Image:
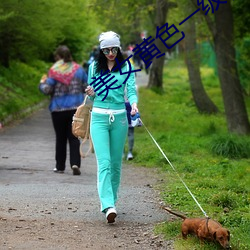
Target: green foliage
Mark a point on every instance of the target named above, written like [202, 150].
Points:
[243, 60]
[127, 18]
[241, 18]
[242, 33]
[183, 10]
[28, 33]
[219, 183]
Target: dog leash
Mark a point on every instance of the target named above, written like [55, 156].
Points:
[174, 169]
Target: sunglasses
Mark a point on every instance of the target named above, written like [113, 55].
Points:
[106, 51]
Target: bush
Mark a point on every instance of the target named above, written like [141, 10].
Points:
[19, 88]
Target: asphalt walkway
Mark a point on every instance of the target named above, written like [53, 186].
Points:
[29, 187]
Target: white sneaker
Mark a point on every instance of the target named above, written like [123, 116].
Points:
[130, 156]
[58, 171]
[111, 214]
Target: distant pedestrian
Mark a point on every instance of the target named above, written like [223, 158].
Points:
[93, 55]
[130, 133]
[109, 123]
[131, 129]
[65, 84]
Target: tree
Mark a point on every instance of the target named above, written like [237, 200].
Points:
[223, 37]
[156, 71]
[127, 18]
[23, 33]
[201, 99]
[28, 33]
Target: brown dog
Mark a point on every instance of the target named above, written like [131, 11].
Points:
[204, 229]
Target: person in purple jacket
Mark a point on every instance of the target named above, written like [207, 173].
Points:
[65, 83]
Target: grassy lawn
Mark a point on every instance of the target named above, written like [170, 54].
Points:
[214, 164]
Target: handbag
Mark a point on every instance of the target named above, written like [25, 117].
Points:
[81, 126]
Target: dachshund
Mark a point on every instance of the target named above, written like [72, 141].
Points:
[204, 229]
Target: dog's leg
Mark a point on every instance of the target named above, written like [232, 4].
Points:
[184, 235]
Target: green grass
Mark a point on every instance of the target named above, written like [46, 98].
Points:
[214, 164]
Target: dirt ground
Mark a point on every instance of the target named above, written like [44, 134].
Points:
[40, 209]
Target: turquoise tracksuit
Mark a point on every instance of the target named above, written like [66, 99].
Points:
[108, 131]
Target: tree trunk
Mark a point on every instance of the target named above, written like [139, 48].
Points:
[201, 99]
[156, 71]
[235, 109]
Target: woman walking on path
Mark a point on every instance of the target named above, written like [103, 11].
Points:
[109, 123]
[65, 83]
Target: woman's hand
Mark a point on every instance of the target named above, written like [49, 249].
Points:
[134, 109]
[90, 91]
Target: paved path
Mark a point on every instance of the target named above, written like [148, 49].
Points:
[26, 163]
[27, 160]
[141, 79]
[30, 190]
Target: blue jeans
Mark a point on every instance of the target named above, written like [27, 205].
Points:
[108, 139]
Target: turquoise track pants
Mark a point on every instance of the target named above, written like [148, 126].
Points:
[108, 136]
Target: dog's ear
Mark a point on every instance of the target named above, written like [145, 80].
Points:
[214, 235]
[228, 237]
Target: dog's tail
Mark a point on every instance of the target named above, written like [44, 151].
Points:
[175, 213]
